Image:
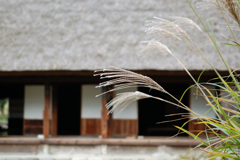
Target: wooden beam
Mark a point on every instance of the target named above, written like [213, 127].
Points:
[90, 73]
[46, 73]
[46, 111]
[34, 77]
[54, 111]
[175, 141]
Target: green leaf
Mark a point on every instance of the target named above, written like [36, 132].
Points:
[229, 44]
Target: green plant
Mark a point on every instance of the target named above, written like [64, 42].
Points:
[226, 126]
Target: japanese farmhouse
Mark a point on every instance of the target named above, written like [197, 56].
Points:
[49, 50]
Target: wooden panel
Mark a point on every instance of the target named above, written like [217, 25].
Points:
[90, 126]
[31, 126]
[125, 127]
[196, 128]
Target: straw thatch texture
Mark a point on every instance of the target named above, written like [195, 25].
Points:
[93, 34]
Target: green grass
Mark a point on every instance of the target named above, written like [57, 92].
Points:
[225, 144]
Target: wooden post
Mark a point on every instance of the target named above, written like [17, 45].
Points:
[104, 115]
[46, 113]
[106, 120]
[54, 111]
[110, 96]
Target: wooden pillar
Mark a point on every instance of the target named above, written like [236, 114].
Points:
[106, 120]
[104, 115]
[110, 116]
[54, 111]
[46, 111]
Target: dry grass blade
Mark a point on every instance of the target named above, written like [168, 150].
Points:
[122, 78]
[236, 43]
[172, 120]
[122, 100]
[176, 114]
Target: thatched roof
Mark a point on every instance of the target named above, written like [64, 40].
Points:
[88, 35]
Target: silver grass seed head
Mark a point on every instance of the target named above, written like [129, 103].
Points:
[121, 79]
[185, 22]
[157, 33]
[123, 100]
[169, 26]
[154, 47]
[228, 6]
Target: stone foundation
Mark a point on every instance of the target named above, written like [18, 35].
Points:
[110, 149]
